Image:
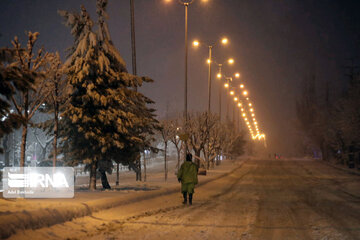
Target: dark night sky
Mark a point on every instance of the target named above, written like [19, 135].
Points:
[275, 45]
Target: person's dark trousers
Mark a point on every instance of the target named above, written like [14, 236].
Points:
[185, 198]
[190, 198]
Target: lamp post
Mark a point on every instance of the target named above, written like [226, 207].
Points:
[196, 43]
[230, 61]
[229, 79]
[219, 77]
[230, 92]
[209, 79]
[186, 4]
[133, 46]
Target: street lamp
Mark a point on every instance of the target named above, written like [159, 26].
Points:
[197, 43]
[219, 75]
[186, 4]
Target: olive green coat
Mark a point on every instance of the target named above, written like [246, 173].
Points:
[188, 173]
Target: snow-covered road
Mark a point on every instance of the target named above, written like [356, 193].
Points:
[263, 199]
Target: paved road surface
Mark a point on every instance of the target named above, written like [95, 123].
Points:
[263, 199]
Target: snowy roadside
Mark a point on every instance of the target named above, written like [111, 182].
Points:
[343, 168]
[20, 214]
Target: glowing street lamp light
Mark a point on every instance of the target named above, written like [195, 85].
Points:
[245, 93]
[231, 61]
[226, 85]
[232, 92]
[235, 99]
[196, 43]
[224, 41]
[220, 66]
[218, 75]
[241, 85]
[239, 104]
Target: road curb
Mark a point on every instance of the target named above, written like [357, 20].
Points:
[10, 224]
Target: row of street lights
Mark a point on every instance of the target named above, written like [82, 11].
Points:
[223, 41]
[247, 112]
[237, 99]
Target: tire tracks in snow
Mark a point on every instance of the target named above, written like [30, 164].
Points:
[338, 208]
[277, 217]
[195, 212]
[197, 215]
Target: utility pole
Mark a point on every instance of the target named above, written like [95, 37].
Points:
[209, 80]
[133, 58]
[220, 86]
[133, 45]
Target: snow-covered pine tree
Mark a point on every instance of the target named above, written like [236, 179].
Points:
[108, 118]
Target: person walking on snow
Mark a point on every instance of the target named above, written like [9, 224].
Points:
[187, 175]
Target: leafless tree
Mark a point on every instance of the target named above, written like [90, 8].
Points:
[58, 89]
[175, 125]
[166, 134]
[27, 103]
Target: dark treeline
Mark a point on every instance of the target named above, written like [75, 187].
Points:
[329, 121]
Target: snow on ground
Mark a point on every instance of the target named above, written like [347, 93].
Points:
[18, 214]
[268, 199]
[128, 184]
